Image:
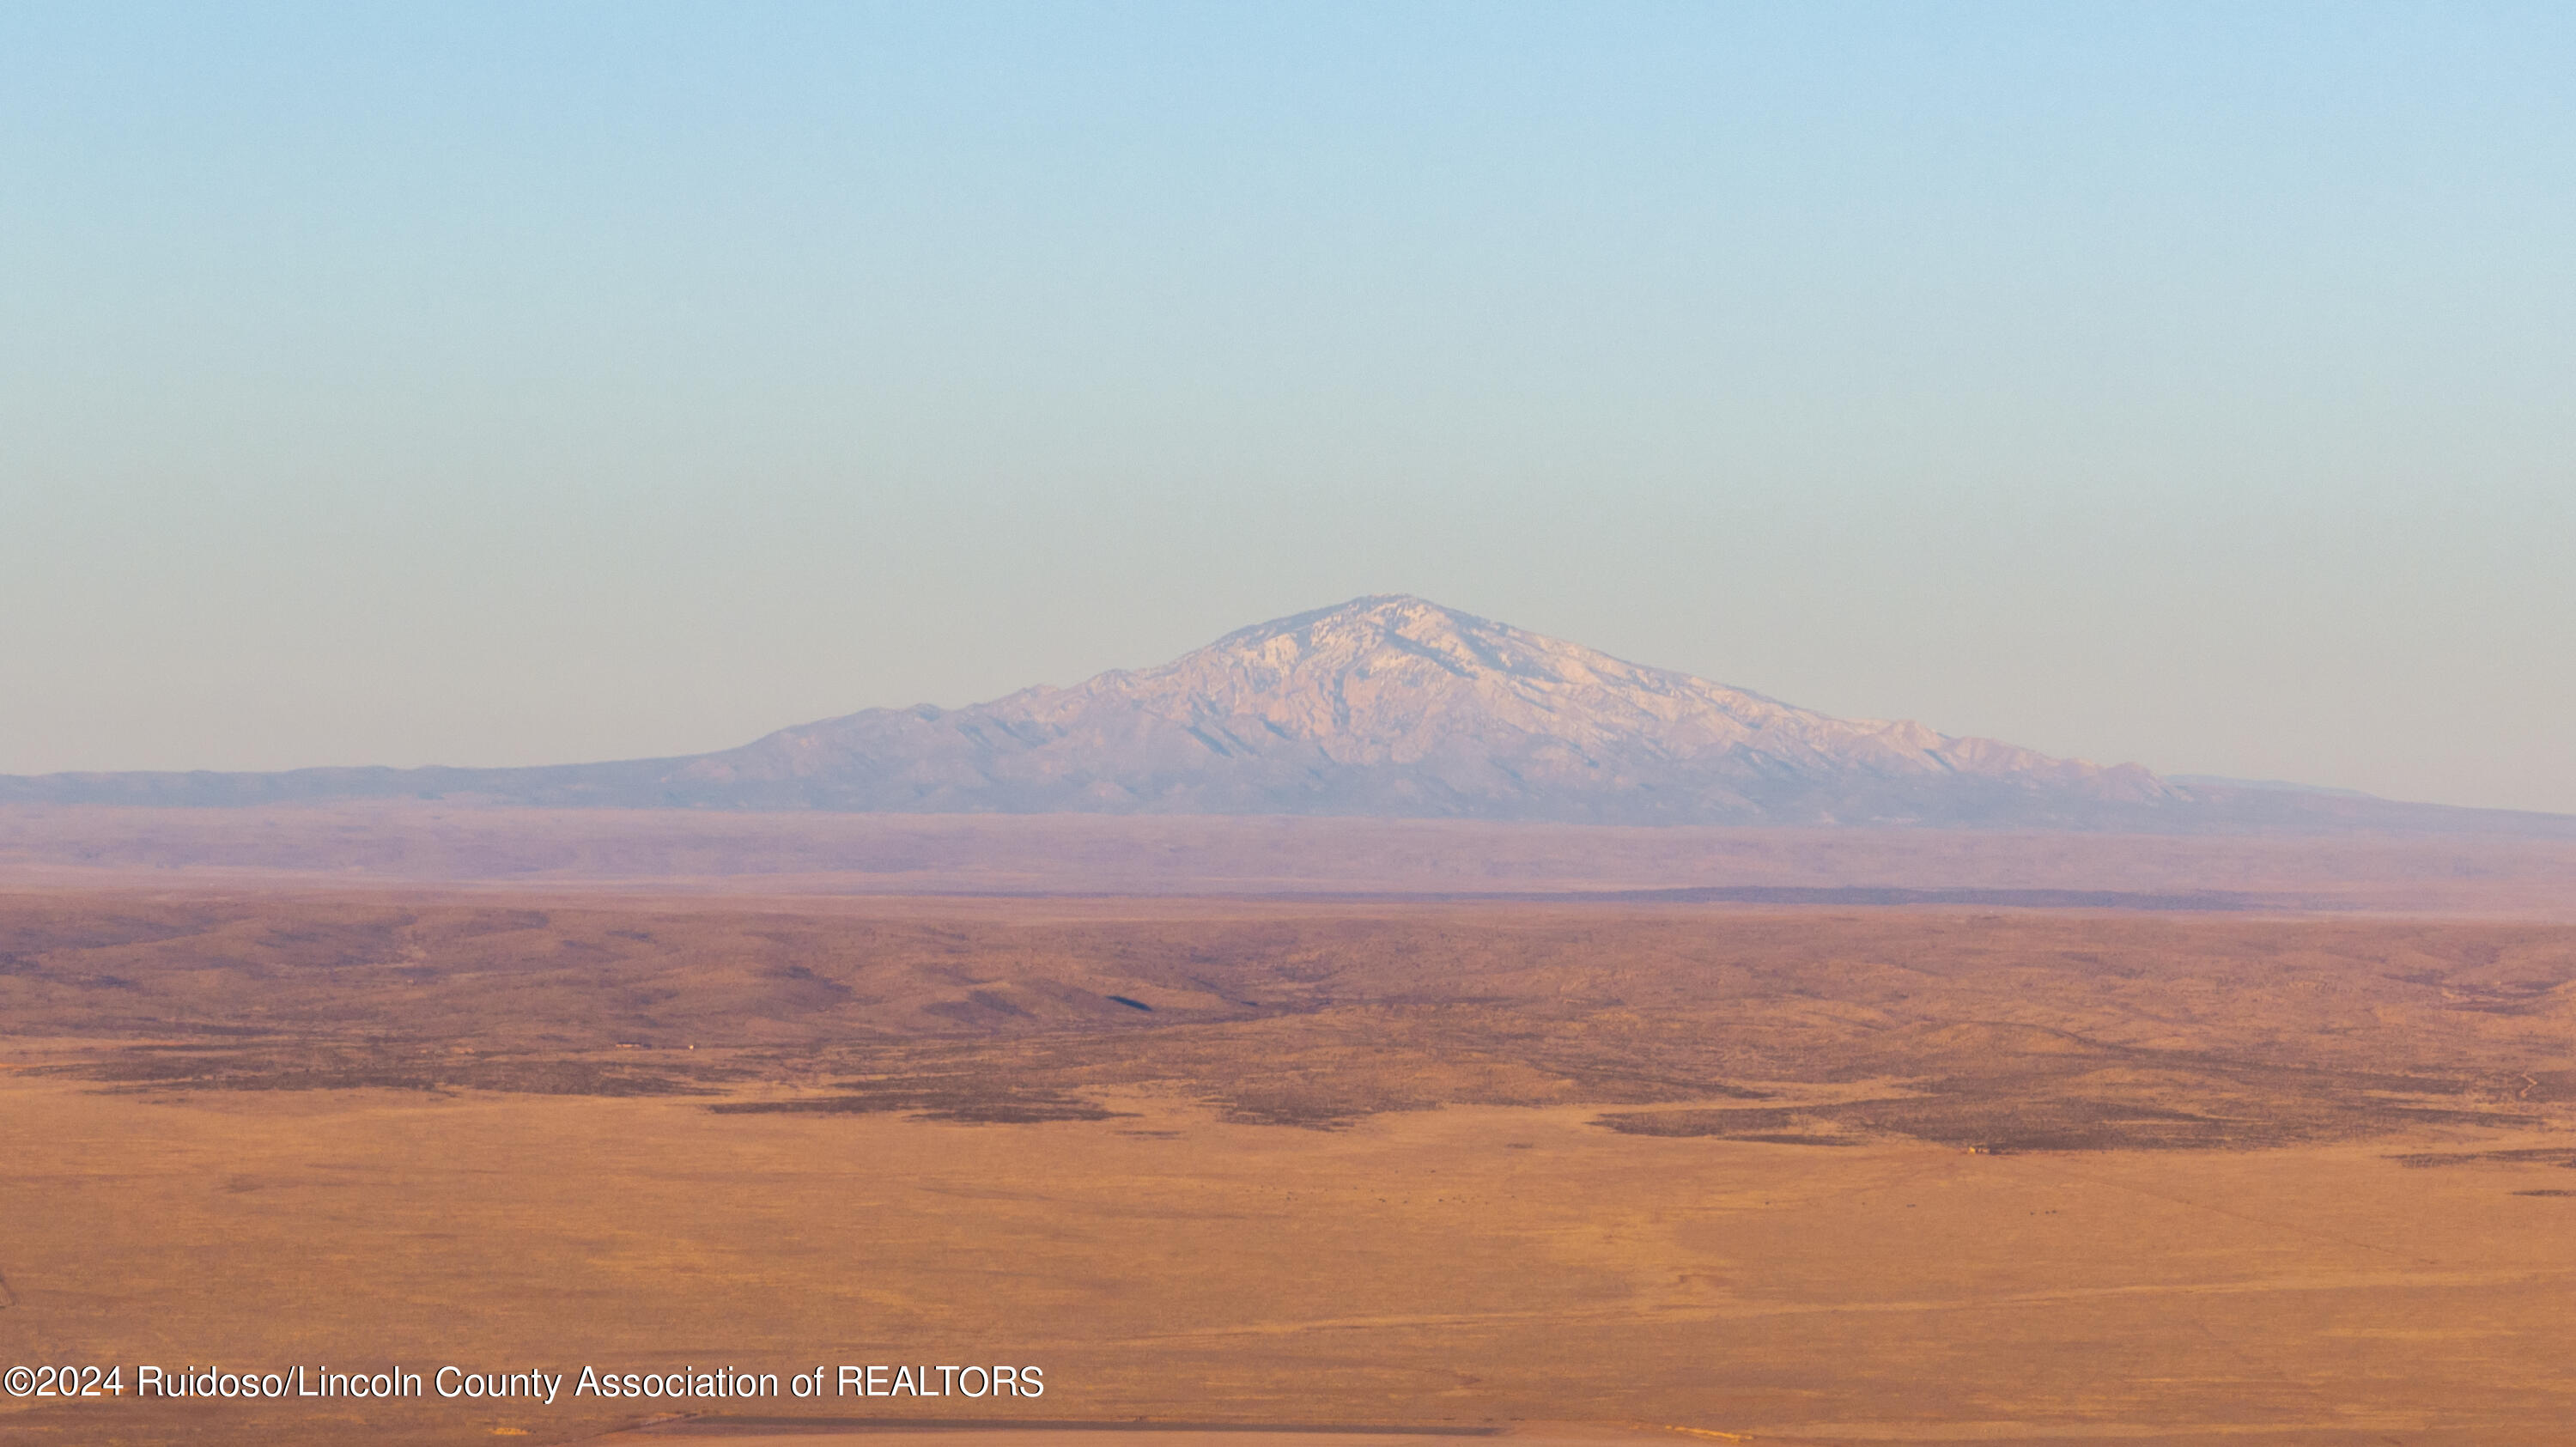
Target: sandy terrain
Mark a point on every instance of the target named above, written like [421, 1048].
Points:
[1793, 1176]
[990, 1432]
[1464, 1265]
[886, 1433]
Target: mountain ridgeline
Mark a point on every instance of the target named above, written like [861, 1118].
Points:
[1385, 707]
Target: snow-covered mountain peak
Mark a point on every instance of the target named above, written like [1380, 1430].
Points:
[1387, 705]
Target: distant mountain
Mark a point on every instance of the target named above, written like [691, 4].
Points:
[1384, 706]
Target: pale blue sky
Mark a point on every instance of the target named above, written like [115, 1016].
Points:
[2193, 385]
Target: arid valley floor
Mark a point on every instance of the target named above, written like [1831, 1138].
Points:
[1820, 1174]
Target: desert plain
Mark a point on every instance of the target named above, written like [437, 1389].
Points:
[2284, 1164]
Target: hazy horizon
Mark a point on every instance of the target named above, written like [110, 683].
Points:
[2180, 386]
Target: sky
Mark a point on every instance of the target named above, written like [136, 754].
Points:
[2190, 385]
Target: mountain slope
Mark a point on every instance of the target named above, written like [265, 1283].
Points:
[1398, 706]
[1386, 706]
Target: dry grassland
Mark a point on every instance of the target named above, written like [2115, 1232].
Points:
[1818, 1176]
[663, 852]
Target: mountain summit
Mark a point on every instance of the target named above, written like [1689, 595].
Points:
[1394, 705]
[1386, 706]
